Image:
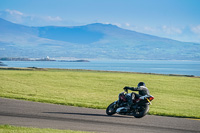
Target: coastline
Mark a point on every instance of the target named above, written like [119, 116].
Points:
[189, 68]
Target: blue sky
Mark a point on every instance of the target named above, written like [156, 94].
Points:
[175, 19]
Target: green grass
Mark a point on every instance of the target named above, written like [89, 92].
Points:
[174, 95]
[14, 129]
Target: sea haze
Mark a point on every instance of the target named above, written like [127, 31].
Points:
[151, 66]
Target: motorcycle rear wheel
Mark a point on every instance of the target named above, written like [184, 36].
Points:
[142, 111]
[111, 109]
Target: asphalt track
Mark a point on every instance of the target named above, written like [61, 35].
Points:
[41, 115]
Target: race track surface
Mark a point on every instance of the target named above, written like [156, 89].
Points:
[41, 115]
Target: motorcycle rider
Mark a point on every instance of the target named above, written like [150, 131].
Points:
[143, 90]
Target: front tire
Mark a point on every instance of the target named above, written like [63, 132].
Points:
[142, 111]
[111, 109]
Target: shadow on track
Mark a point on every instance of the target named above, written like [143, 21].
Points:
[87, 114]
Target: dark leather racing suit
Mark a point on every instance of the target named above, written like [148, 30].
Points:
[143, 90]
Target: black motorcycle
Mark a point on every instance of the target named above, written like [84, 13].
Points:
[139, 108]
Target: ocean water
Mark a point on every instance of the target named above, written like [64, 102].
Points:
[149, 66]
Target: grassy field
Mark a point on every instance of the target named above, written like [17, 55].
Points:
[174, 95]
[14, 129]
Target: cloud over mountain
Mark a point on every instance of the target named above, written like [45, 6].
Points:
[31, 20]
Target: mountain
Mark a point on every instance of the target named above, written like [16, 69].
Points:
[90, 41]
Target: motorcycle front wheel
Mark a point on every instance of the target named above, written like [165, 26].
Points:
[111, 109]
[142, 111]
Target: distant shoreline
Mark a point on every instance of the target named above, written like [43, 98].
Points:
[41, 59]
[154, 66]
[79, 60]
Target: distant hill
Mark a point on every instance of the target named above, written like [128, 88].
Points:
[90, 41]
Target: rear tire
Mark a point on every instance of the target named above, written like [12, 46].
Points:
[111, 109]
[142, 111]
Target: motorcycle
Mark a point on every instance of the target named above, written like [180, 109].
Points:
[138, 109]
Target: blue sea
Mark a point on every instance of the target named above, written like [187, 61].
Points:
[143, 66]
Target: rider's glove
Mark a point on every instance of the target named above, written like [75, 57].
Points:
[126, 88]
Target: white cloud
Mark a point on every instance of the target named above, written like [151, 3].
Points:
[150, 29]
[105, 22]
[14, 12]
[117, 24]
[127, 24]
[171, 30]
[25, 19]
[196, 29]
[50, 18]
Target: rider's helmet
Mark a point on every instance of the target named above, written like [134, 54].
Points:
[141, 84]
